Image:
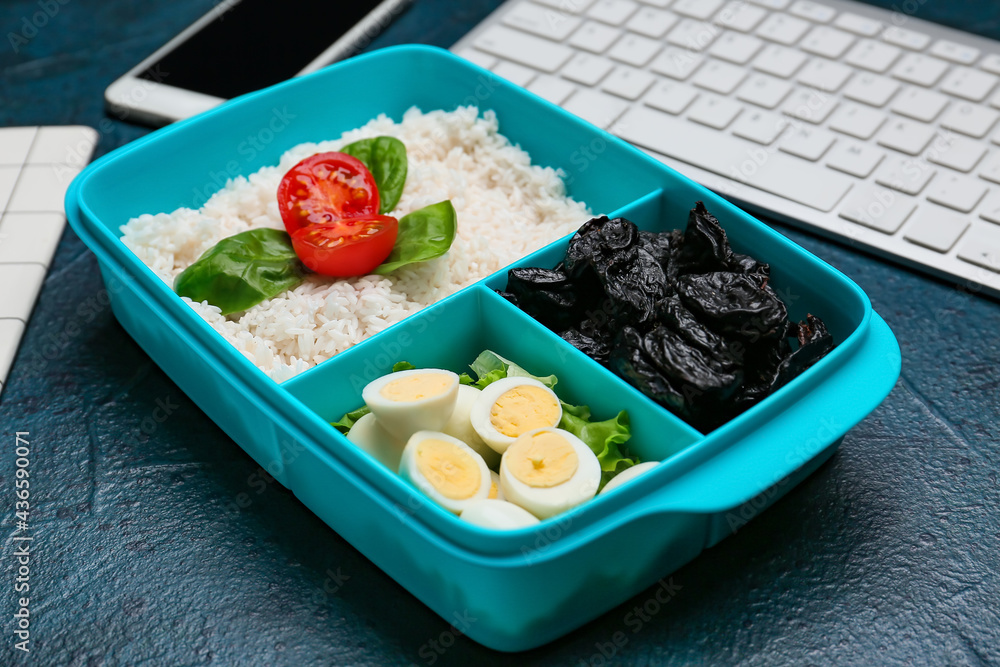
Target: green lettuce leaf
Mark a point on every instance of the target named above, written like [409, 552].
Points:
[603, 437]
[490, 367]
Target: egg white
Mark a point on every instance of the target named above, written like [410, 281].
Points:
[409, 470]
[369, 436]
[498, 515]
[553, 500]
[629, 474]
[495, 479]
[460, 425]
[404, 418]
[481, 418]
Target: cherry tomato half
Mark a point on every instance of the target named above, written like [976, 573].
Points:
[346, 248]
[326, 187]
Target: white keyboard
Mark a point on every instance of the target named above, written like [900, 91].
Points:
[862, 124]
[36, 166]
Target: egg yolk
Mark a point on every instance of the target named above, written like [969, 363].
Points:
[493, 489]
[524, 409]
[449, 468]
[542, 460]
[416, 387]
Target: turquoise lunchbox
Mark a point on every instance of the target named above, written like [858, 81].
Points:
[529, 586]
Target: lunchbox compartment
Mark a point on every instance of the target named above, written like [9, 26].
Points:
[450, 335]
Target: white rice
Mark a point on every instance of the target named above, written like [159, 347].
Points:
[506, 209]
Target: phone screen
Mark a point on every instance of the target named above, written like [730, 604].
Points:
[256, 43]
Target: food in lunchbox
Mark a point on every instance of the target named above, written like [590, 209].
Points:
[512, 406]
[498, 515]
[557, 457]
[687, 321]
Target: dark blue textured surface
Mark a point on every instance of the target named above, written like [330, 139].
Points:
[887, 555]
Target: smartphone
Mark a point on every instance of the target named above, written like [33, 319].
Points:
[241, 46]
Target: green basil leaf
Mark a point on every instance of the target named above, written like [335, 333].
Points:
[241, 271]
[402, 366]
[423, 235]
[385, 158]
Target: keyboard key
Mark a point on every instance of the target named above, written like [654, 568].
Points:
[958, 192]
[595, 37]
[982, 247]
[19, 285]
[956, 53]
[516, 74]
[878, 208]
[991, 208]
[908, 39]
[871, 89]
[904, 174]
[8, 178]
[670, 96]
[719, 77]
[779, 61]
[522, 48]
[740, 16]
[587, 69]
[30, 237]
[969, 84]
[14, 145]
[634, 50]
[595, 107]
[656, 3]
[970, 119]
[859, 25]
[919, 69]
[873, 56]
[783, 29]
[764, 90]
[693, 35]
[772, 4]
[824, 75]
[957, 153]
[10, 335]
[552, 88]
[651, 22]
[919, 104]
[736, 48]
[856, 120]
[697, 9]
[676, 63]
[812, 11]
[759, 126]
[69, 145]
[568, 6]
[780, 174]
[541, 21]
[990, 168]
[612, 12]
[716, 112]
[811, 106]
[906, 136]
[807, 142]
[628, 82]
[484, 60]
[41, 189]
[935, 228]
[991, 63]
[827, 42]
[854, 157]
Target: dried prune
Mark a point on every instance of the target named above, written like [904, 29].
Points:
[665, 367]
[735, 304]
[596, 348]
[545, 294]
[814, 343]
